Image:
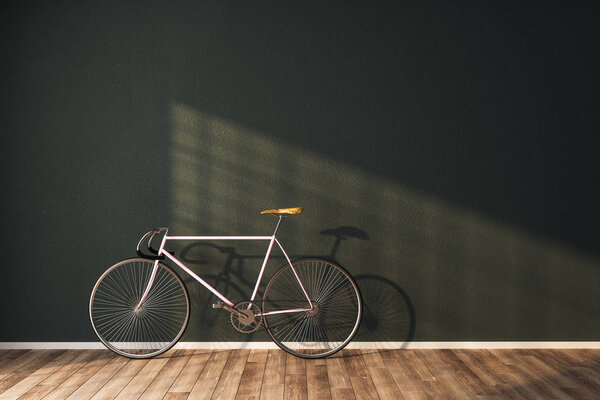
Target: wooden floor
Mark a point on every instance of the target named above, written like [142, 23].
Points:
[272, 374]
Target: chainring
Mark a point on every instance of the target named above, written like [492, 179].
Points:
[249, 318]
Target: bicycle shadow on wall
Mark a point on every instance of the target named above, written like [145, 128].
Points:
[388, 313]
[206, 322]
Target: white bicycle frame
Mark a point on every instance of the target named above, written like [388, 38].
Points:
[272, 240]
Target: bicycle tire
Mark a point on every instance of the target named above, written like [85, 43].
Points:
[153, 328]
[335, 319]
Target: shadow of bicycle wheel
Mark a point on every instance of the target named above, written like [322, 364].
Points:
[388, 313]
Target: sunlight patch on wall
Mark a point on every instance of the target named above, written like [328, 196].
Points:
[469, 277]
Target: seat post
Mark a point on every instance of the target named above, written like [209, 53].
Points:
[278, 222]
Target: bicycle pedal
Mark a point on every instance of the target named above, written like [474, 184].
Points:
[218, 305]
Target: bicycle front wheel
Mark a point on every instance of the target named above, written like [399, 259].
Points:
[141, 332]
[336, 313]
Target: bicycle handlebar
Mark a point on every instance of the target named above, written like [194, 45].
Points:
[148, 256]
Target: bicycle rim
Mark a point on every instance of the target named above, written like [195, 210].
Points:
[332, 323]
[153, 328]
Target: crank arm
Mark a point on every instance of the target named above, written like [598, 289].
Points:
[230, 309]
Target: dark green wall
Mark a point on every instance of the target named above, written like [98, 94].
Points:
[445, 153]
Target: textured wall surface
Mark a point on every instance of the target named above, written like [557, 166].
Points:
[445, 154]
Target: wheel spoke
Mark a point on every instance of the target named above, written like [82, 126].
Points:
[332, 323]
[153, 328]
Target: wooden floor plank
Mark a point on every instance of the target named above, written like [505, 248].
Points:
[585, 369]
[340, 383]
[547, 381]
[69, 369]
[54, 363]
[208, 379]
[27, 369]
[101, 377]
[230, 378]
[520, 383]
[295, 378]
[593, 355]
[71, 384]
[275, 375]
[112, 388]
[418, 366]
[317, 380]
[273, 382]
[258, 356]
[591, 375]
[536, 383]
[492, 362]
[191, 371]
[360, 378]
[423, 373]
[161, 384]
[380, 375]
[475, 360]
[550, 374]
[469, 378]
[143, 378]
[406, 377]
[294, 365]
[520, 388]
[252, 377]
[176, 396]
[10, 355]
[587, 379]
[14, 364]
[445, 385]
[566, 366]
[506, 358]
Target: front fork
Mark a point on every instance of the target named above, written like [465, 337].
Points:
[149, 286]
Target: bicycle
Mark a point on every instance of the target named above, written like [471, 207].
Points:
[140, 307]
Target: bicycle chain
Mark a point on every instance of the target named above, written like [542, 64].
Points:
[262, 322]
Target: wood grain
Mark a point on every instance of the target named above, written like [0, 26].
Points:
[273, 382]
[252, 377]
[275, 375]
[359, 374]
[340, 383]
[140, 382]
[317, 380]
[81, 376]
[161, 384]
[53, 363]
[112, 388]
[380, 375]
[295, 378]
[189, 375]
[208, 379]
[229, 380]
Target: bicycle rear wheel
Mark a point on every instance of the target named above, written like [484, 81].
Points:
[153, 328]
[332, 323]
